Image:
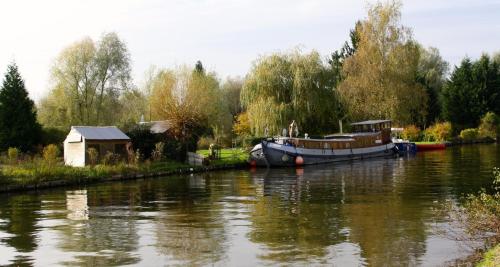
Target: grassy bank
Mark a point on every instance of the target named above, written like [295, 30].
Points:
[32, 173]
[227, 156]
[35, 172]
[491, 258]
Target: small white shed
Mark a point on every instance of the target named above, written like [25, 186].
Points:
[103, 139]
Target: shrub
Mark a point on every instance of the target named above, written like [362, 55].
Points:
[110, 158]
[157, 153]
[483, 213]
[489, 126]
[469, 134]
[205, 142]
[411, 133]
[50, 154]
[93, 156]
[13, 154]
[440, 131]
[52, 136]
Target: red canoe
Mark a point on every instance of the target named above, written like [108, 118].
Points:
[426, 147]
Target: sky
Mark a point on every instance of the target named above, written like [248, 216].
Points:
[226, 35]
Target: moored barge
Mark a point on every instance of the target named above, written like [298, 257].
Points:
[369, 139]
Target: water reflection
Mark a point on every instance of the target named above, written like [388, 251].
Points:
[378, 212]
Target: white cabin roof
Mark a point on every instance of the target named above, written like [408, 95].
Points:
[370, 122]
[100, 133]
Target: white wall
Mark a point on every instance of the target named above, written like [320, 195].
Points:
[74, 151]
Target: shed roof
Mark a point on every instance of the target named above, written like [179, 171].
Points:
[157, 127]
[369, 122]
[101, 133]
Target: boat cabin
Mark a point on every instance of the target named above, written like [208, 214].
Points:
[371, 126]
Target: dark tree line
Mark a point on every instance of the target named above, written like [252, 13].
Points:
[18, 122]
[472, 90]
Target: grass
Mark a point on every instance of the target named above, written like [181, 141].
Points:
[32, 172]
[491, 258]
[228, 156]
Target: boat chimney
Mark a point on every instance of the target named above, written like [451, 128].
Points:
[340, 126]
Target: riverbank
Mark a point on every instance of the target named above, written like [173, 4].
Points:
[491, 258]
[89, 175]
[37, 174]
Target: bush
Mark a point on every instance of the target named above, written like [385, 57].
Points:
[469, 134]
[50, 154]
[205, 142]
[110, 158]
[52, 136]
[157, 153]
[93, 156]
[483, 213]
[489, 126]
[438, 132]
[13, 154]
[145, 141]
[411, 133]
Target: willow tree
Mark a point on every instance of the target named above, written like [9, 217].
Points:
[285, 87]
[191, 100]
[380, 78]
[88, 78]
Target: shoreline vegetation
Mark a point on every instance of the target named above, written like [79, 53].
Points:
[31, 173]
[92, 85]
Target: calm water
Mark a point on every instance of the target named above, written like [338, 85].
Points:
[379, 212]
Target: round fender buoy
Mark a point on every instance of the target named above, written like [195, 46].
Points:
[253, 163]
[299, 160]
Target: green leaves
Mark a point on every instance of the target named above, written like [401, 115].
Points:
[292, 86]
[18, 125]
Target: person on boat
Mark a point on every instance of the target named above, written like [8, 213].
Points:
[293, 128]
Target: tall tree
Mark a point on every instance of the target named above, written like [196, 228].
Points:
[380, 77]
[338, 57]
[191, 101]
[231, 90]
[460, 95]
[18, 125]
[285, 87]
[432, 70]
[474, 87]
[88, 79]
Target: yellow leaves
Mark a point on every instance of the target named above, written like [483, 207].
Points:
[187, 98]
[380, 76]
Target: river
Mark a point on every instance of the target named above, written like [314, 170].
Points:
[378, 212]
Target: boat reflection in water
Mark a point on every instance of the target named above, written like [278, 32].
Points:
[379, 212]
[348, 213]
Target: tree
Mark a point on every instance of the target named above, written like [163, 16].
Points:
[338, 57]
[380, 77]
[460, 95]
[432, 70]
[133, 105]
[231, 90]
[285, 87]
[199, 67]
[191, 101]
[88, 79]
[18, 125]
[474, 87]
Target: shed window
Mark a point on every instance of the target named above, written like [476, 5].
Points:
[120, 149]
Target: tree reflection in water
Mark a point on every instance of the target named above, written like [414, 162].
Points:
[378, 212]
[191, 228]
[19, 215]
[301, 219]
